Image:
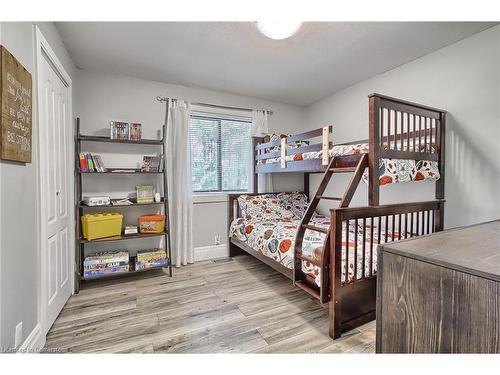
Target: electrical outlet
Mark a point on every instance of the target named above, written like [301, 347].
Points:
[18, 335]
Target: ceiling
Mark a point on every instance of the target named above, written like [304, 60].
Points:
[321, 59]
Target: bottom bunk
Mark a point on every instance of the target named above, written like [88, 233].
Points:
[275, 239]
[265, 226]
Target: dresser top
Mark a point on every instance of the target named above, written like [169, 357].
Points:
[474, 249]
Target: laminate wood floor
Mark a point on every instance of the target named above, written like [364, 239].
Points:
[231, 305]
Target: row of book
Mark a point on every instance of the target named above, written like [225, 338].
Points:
[153, 163]
[112, 262]
[130, 131]
[90, 162]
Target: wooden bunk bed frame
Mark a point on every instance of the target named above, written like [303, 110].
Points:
[393, 123]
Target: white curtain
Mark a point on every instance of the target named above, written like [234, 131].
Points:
[260, 127]
[180, 192]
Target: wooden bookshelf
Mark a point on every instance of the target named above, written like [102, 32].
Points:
[80, 242]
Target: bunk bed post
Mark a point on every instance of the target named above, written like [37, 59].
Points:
[374, 149]
[283, 147]
[233, 212]
[441, 142]
[255, 176]
[306, 184]
[334, 306]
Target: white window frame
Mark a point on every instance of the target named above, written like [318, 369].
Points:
[225, 114]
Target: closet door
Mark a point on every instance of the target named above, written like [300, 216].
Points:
[55, 124]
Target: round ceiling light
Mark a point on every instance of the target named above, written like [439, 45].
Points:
[278, 29]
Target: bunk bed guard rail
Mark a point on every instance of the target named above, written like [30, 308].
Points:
[280, 148]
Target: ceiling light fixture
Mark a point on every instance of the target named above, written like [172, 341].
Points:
[278, 29]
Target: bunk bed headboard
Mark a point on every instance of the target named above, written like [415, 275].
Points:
[399, 129]
[233, 206]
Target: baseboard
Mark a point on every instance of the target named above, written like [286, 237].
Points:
[34, 342]
[211, 252]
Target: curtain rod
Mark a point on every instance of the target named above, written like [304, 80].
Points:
[160, 99]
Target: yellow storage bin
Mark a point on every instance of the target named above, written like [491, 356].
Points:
[101, 225]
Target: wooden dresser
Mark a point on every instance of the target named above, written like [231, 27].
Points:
[440, 293]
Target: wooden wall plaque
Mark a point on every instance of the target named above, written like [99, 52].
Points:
[16, 109]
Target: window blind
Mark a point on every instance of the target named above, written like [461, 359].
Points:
[220, 153]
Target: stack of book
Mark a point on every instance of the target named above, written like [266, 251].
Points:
[91, 162]
[152, 163]
[129, 131]
[151, 259]
[102, 264]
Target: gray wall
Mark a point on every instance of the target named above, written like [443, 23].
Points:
[103, 97]
[464, 79]
[19, 248]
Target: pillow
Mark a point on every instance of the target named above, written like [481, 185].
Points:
[261, 207]
[294, 202]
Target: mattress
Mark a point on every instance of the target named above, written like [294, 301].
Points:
[390, 170]
[276, 239]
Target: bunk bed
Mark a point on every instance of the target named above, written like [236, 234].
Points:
[334, 258]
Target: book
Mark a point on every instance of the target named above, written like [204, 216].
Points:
[162, 163]
[83, 162]
[119, 130]
[89, 162]
[123, 170]
[100, 164]
[152, 163]
[135, 131]
[147, 164]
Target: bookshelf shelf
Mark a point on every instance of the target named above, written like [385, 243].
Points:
[95, 138]
[124, 237]
[80, 242]
[121, 171]
[82, 205]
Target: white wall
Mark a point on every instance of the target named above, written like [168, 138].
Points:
[19, 248]
[102, 97]
[464, 79]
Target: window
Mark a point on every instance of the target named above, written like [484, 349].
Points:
[220, 153]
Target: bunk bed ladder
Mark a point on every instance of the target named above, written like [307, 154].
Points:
[301, 279]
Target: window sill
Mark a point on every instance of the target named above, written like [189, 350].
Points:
[215, 197]
[209, 197]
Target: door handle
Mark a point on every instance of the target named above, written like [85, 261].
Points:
[58, 193]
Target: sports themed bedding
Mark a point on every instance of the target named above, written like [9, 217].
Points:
[390, 170]
[270, 222]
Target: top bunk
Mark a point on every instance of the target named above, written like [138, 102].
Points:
[398, 130]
